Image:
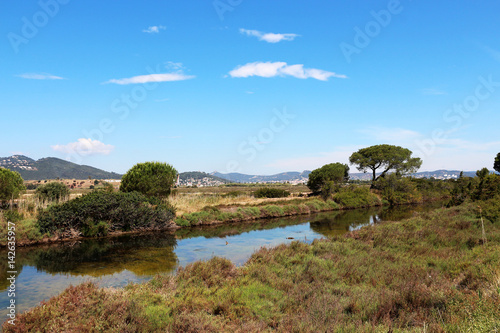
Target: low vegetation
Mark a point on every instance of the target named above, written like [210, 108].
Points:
[100, 212]
[434, 272]
[356, 197]
[53, 191]
[270, 192]
[211, 215]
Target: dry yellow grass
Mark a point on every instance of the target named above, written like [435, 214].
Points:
[194, 202]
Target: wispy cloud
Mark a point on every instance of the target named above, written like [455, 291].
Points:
[39, 76]
[268, 36]
[85, 147]
[432, 91]
[154, 29]
[390, 135]
[162, 99]
[316, 160]
[165, 77]
[272, 69]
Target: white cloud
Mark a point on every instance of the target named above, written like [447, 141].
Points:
[154, 29]
[40, 76]
[165, 77]
[272, 69]
[84, 147]
[268, 36]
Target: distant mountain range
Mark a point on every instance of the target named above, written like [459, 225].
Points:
[53, 168]
[296, 177]
[280, 177]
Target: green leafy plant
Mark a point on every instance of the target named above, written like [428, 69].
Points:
[11, 185]
[150, 179]
[120, 211]
[54, 191]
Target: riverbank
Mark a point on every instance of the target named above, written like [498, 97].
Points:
[228, 210]
[433, 272]
[222, 210]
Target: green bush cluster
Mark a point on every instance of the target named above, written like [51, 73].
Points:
[490, 209]
[356, 197]
[54, 191]
[12, 215]
[483, 187]
[99, 212]
[269, 192]
[398, 190]
[433, 189]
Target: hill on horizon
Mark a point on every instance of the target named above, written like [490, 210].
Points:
[53, 168]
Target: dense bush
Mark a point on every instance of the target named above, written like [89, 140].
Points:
[150, 179]
[99, 212]
[54, 191]
[398, 190]
[433, 188]
[356, 197]
[32, 186]
[12, 215]
[269, 192]
[326, 179]
[487, 187]
[490, 209]
[483, 187]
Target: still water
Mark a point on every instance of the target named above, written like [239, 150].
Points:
[45, 271]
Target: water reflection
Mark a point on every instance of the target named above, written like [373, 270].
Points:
[344, 221]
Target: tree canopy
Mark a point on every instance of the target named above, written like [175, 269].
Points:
[150, 179]
[496, 166]
[11, 185]
[333, 172]
[386, 158]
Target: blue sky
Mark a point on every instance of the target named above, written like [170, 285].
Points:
[257, 87]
